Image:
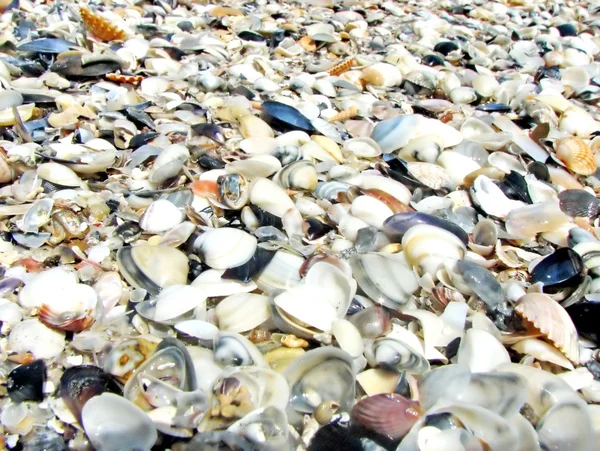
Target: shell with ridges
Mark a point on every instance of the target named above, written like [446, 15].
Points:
[576, 155]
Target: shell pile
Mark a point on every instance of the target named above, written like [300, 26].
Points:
[357, 225]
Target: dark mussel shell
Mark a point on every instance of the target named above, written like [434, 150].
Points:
[73, 66]
[335, 437]
[585, 316]
[285, 118]
[432, 60]
[47, 45]
[26, 382]
[33, 68]
[211, 131]
[142, 139]
[539, 170]
[211, 161]
[561, 268]
[567, 29]
[578, 202]
[139, 117]
[397, 169]
[514, 187]
[265, 218]
[446, 47]
[495, 108]
[251, 268]
[80, 383]
[397, 225]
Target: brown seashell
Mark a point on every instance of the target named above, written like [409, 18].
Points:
[345, 115]
[307, 44]
[62, 321]
[120, 78]
[223, 11]
[552, 320]
[393, 204]
[100, 27]
[342, 67]
[576, 155]
[387, 413]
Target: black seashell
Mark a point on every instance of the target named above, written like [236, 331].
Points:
[29, 67]
[432, 60]
[47, 45]
[140, 117]
[585, 316]
[335, 437]
[26, 382]
[243, 91]
[211, 131]
[80, 383]
[593, 367]
[73, 66]
[514, 187]
[539, 170]
[563, 267]
[567, 29]
[44, 439]
[578, 202]
[446, 47]
[210, 161]
[495, 108]
[251, 268]
[252, 36]
[314, 228]
[129, 231]
[397, 169]
[265, 218]
[285, 118]
[141, 139]
[397, 225]
[40, 99]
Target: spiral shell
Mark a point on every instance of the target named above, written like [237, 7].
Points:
[100, 27]
[342, 67]
[576, 155]
[552, 320]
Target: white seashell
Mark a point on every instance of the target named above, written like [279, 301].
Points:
[258, 146]
[58, 174]
[382, 74]
[491, 199]
[577, 122]
[526, 222]
[348, 337]
[337, 287]
[457, 165]
[225, 247]
[542, 351]
[349, 226]
[17, 418]
[362, 147]
[175, 300]
[32, 336]
[427, 247]
[425, 148]
[390, 186]
[576, 77]
[481, 351]
[113, 423]
[213, 285]
[269, 196]
[242, 312]
[161, 216]
[375, 380]
[199, 329]
[283, 271]
[463, 94]
[306, 303]
[253, 167]
[485, 85]
[370, 210]
[449, 82]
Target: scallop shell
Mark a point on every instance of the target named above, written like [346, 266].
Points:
[389, 414]
[552, 320]
[576, 155]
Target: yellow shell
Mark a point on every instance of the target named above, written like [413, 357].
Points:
[100, 27]
[576, 155]
[552, 320]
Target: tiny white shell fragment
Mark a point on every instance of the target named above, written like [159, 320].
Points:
[348, 337]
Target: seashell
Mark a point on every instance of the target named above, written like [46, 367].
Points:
[348, 337]
[362, 147]
[526, 222]
[176, 300]
[370, 210]
[444, 383]
[542, 351]
[481, 351]
[299, 175]
[388, 414]
[426, 247]
[58, 174]
[26, 382]
[341, 67]
[485, 85]
[560, 267]
[344, 115]
[225, 247]
[242, 312]
[487, 195]
[153, 267]
[382, 74]
[431, 175]
[161, 215]
[392, 187]
[37, 216]
[255, 127]
[577, 122]
[396, 226]
[322, 374]
[80, 383]
[574, 422]
[100, 27]
[462, 95]
[233, 191]
[111, 422]
[270, 197]
[285, 118]
[576, 155]
[552, 320]
[33, 336]
[459, 166]
[394, 355]
[482, 282]
[383, 278]
[233, 349]
[425, 148]
[282, 272]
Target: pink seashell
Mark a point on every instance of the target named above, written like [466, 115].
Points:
[387, 413]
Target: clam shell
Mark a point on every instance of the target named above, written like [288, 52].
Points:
[175, 300]
[388, 414]
[299, 175]
[160, 216]
[270, 197]
[153, 267]
[225, 247]
[576, 155]
[552, 320]
[58, 174]
[242, 312]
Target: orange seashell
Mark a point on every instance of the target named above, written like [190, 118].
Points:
[100, 27]
[342, 67]
[387, 413]
[345, 114]
[64, 321]
[307, 44]
[393, 204]
[552, 320]
[223, 11]
[205, 188]
[21, 358]
[576, 155]
[121, 78]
